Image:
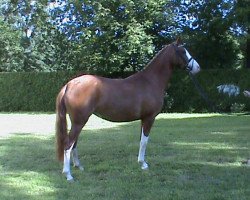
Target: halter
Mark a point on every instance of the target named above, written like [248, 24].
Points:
[188, 68]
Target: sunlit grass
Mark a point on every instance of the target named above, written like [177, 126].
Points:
[186, 115]
[191, 156]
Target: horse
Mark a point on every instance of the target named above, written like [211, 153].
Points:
[137, 97]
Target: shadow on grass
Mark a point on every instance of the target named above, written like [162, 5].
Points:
[26, 162]
[195, 158]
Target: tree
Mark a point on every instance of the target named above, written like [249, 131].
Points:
[44, 47]
[109, 36]
[208, 27]
[115, 35]
[11, 52]
[242, 23]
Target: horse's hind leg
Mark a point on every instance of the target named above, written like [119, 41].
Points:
[71, 139]
[75, 157]
[66, 164]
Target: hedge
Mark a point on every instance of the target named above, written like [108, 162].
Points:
[30, 91]
[38, 91]
[186, 98]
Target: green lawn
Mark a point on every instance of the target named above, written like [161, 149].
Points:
[190, 157]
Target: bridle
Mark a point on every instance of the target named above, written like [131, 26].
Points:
[188, 68]
[200, 89]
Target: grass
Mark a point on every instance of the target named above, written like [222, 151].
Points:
[190, 156]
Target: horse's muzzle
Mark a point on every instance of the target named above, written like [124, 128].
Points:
[193, 67]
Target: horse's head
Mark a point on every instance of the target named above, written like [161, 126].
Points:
[184, 59]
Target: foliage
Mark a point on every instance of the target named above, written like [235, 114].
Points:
[11, 52]
[42, 46]
[37, 91]
[208, 28]
[30, 91]
[119, 36]
[194, 157]
[187, 98]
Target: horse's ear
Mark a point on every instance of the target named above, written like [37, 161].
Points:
[178, 41]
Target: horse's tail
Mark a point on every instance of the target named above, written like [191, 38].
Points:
[61, 124]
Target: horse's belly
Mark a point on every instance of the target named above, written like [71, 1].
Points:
[118, 114]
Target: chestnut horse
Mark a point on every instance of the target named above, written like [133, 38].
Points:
[138, 97]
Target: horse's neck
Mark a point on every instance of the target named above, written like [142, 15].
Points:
[159, 70]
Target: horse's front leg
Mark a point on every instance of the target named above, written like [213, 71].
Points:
[142, 151]
[146, 127]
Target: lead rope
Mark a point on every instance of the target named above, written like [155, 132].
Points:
[204, 95]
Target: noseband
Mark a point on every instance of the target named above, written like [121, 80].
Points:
[188, 68]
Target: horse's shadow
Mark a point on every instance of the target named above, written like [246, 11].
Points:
[29, 157]
[24, 157]
[23, 152]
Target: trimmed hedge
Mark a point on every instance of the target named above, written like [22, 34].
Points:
[30, 91]
[38, 91]
[186, 97]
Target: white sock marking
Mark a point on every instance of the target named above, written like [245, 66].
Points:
[66, 164]
[76, 159]
[142, 150]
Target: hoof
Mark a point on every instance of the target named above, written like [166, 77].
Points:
[70, 180]
[144, 165]
[81, 168]
[68, 176]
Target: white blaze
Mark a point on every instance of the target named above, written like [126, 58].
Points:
[193, 65]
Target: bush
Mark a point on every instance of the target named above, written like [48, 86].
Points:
[38, 91]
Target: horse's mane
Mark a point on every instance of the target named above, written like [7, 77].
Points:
[158, 54]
